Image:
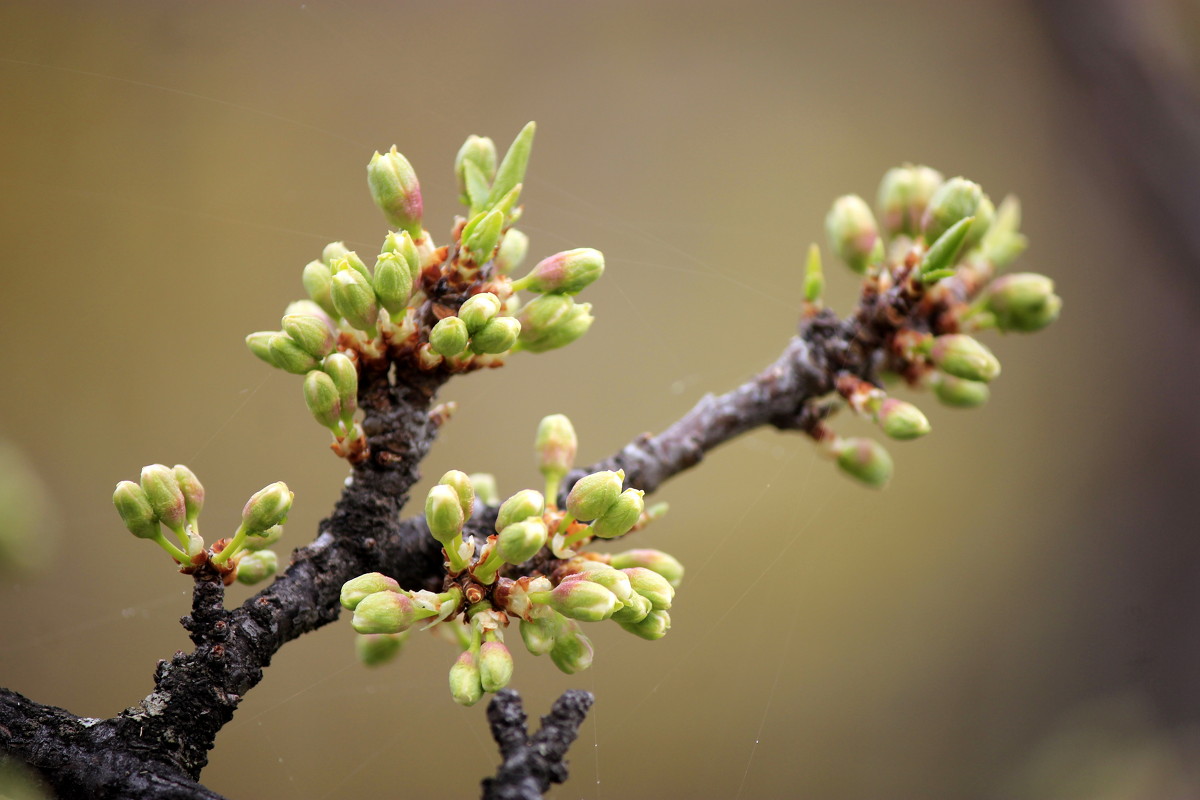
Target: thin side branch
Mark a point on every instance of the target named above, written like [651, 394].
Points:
[532, 764]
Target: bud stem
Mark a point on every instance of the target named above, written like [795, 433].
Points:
[171, 549]
[239, 541]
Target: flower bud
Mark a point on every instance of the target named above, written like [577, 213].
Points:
[257, 566]
[449, 336]
[258, 344]
[853, 234]
[652, 586]
[461, 484]
[904, 194]
[466, 686]
[635, 610]
[354, 299]
[521, 506]
[960, 393]
[539, 634]
[568, 272]
[656, 560]
[134, 508]
[513, 248]
[311, 333]
[481, 238]
[963, 357]
[495, 666]
[309, 309]
[1004, 240]
[351, 261]
[985, 215]
[556, 446]
[396, 191]
[955, 199]
[401, 243]
[552, 321]
[594, 494]
[377, 649]
[260, 540]
[478, 309]
[572, 652]
[384, 612]
[580, 599]
[267, 507]
[653, 626]
[193, 492]
[865, 460]
[486, 491]
[480, 151]
[901, 420]
[334, 251]
[318, 282]
[614, 580]
[344, 374]
[356, 589]
[497, 336]
[393, 282]
[285, 353]
[444, 515]
[620, 518]
[165, 496]
[1023, 301]
[520, 541]
[321, 397]
[512, 169]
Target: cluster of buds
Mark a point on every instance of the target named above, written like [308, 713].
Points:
[454, 308]
[938, 252]
[174, 497]
[532, 570]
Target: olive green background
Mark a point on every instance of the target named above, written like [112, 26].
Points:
[1016, 616]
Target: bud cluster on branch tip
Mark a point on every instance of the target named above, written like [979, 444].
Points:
[478, 326]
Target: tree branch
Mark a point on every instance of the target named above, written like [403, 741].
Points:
[531, 765]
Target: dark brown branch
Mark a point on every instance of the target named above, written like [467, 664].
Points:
[532, 764]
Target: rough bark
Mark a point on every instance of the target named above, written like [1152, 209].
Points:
[532, 764]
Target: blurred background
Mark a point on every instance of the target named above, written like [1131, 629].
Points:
[1017, 616]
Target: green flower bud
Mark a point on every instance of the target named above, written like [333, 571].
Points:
[901, 420]
[1023, 301]
[267, 507]
[955, 199]
[539, 634]
[466, 684]
[521, 506]
[653, 626]
[334, 251]
[260, 540]
[341, 369]
[513, 248]
[520, 541]
[444, 515]
[309, 309]
[351, 261]
[258, 343]
[497, 336]
[478, 309]
[634, 611]
[449, 336]
[357, 589]
[354, 299]
[904, 194]
[318, 282]
[552, 321]
[495, 666]
[164, 495]
[853, 234]
[512, 168]
[480, 151]
[568, 272]
[620, 518]
[393, 282]
[594, 494]
[313, 334]
[134, 508]
[985, 215]
[193, 492]
[556, 446]
[963, 357]
[377, 649]
[395, 189]
[480, 239]
[485, 487]
[814, 278]
[400, 243]
[321, 397]
[1004, 241]
[580, 599]
[652, 586]
[257, 566]
[461, 484]
[865, 460]
[960, 393]
[656, 560]
[289, 356]
[384, 612]
[614, 580]
[572, 652]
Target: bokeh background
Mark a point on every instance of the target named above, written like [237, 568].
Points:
[1018, 616]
